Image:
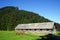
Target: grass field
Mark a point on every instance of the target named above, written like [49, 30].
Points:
[11, 35]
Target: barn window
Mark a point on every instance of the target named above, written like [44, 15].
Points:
[35, 29]
[51, 29]
[26, 29]
[22, 29]
[30, 29]
[41, 29]
[47, 29]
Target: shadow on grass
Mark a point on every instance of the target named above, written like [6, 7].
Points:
[49, 37]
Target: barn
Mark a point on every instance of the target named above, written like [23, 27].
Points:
[45, 27]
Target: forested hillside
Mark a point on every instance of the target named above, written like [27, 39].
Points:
[11, 16]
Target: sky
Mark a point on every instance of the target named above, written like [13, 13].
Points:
[49, 9]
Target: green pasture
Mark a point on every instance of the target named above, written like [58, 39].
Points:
[11, 35]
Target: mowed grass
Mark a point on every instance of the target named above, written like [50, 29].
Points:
[11, 35]
[57, 33]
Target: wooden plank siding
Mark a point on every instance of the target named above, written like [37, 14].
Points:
[46, 27]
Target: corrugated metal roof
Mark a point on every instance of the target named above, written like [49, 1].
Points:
[45, 25]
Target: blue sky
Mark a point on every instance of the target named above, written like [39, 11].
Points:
[50, 9]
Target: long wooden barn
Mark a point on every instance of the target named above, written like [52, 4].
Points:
[46, 27]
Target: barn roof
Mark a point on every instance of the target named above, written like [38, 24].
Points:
[45, 25]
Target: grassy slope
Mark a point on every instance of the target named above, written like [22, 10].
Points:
[10, 35]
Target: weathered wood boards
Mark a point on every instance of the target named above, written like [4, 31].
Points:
[45, 28]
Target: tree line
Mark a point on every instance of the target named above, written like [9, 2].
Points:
[11, 16]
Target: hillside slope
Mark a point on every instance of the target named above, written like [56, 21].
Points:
[11, 16]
